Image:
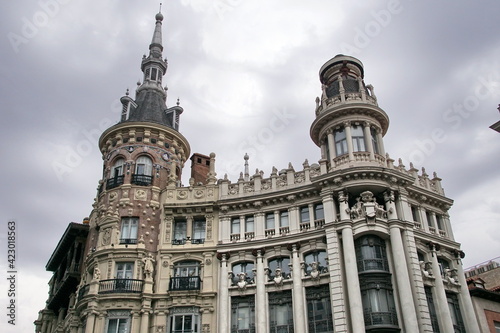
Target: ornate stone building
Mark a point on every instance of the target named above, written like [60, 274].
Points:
[352, 243]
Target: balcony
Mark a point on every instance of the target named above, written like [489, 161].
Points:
[180, 283]
[120, 286]
[198, 241]
[178, 241]
[114, 182]
[142, 180]
[373, 265]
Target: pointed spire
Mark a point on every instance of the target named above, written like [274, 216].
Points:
[156, 47]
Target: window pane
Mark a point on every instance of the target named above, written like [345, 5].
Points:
[235, 225]
[249, 224]
[270, 221]
[319, 213]
[199, 229]
[180, 230]
[284, 219]
[304, 214]
[112, 325]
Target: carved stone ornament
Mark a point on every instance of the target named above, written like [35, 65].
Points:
[140, 195]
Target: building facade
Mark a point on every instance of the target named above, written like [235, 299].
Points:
[352, 243]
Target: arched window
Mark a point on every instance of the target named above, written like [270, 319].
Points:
[243, 267]
[318, 259]
[186, 276]
[143, 171]
[281, 263]
[116, 176]
[371, 254]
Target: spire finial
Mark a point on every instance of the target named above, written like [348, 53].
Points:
[160, 8]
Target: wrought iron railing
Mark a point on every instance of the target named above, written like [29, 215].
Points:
[84, 290]
[143, 180]
[114, 182]
[120, 286]
[185, 283]
[178, 241]
[198, 241]
[389, 318]
[373, 265]
[128, 240]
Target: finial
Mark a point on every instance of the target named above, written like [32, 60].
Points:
[246, 157]
[126, 93]
[178, 101]
[139, 83]
[159, 16]
[160, 8]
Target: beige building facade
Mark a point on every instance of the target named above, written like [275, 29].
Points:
[351, 243]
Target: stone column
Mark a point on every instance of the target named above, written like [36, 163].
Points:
[403, 280]
[299, 322]
[352, 281]
[145, 321]
[380, 141]
[89, 326]
[466, 302]
[331, 147]
[442, 309]
[224, 313]
[348, 136]
[260, 301]
[134, 325]
[329, 208]
[368, 140]
[259, 225]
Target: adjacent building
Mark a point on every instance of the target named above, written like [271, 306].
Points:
[353, 242]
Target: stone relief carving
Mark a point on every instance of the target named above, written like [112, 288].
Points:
[366, 206]
[426, 269]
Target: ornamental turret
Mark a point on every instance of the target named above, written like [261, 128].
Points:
[349, 124]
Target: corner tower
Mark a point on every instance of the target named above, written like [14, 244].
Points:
[349, 124]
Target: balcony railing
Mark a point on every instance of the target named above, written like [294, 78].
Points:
[84, 290]
[178, 241]
[185, 283]
[128, 240]
[373, 265]
[381, 318]
[143, 180]
[120, 286]
[114, 182]
[197, 240]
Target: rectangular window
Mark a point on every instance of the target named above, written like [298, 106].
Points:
[358, 138]
[128, 233]
[270, 221]
[124, 270]
[235, 225]
[284, 218]
[184, 323]
[243, 314]
[180, 232]
[249, 224]
[304, 214]
[414, 214]
[319, 213]
[497, 327]
[340, 142]
[456, 315]
[432, 309]
[428, 216]
[439, 222]
[198, 231]
[118, 325]
[280, 312]
[319, 311]
[373, 133]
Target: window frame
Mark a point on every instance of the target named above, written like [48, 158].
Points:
[129, 227]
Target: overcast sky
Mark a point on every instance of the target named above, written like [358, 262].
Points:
[237, 67]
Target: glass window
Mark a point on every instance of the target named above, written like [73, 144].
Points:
[439, 222]
[235, 225]
[143, 166]
[280, 312]
[284, 219]
[153, 74]
[184, 320]
[243, 267]
[117, 168]
[371, 254]
[128, 234]
[414, 214]
[124, 270]
[283, 263]
[249, 224]
[304, 214]
[358, 138]
[187, 268]
[497, 327]
[429, 219]
[198, 231]
[318, 257]
[270, 221]
[432, 309]
[117, 325]
[456, 315]
[186, 276]
[243, 314]
[319, 311]
[319, 213]
[180, 232]
[373, 133]
[340, 141]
